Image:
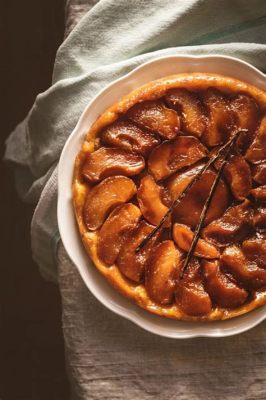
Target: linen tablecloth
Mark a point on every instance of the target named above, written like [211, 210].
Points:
[110, 358]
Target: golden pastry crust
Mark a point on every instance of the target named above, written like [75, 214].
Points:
[80, 188]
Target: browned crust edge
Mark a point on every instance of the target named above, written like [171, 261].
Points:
[153, 90]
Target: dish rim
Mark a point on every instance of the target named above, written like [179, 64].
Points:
[91, 277]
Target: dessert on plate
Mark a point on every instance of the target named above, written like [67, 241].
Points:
[169, 192]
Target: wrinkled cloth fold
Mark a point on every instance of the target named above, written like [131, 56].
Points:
[114, 37]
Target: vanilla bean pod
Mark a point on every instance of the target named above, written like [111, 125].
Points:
[191, 183]
[206, 207]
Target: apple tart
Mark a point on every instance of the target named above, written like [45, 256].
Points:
[169, 192]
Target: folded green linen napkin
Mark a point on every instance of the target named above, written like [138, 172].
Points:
[114, 37]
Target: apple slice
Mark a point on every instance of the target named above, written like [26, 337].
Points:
[171, 156]
[243, 270]
[183, 237]
[111, 161]
[189, 209]
[128, 136]
[259, 218]
[189, 106]
[238, 175]
[104, 197]
[220, 118]
[256, 152]
[246, 111]
[133, 264]
[155, 116]
[232, 227]
[246, 114]
[149, 198]
[259, 173]
[114, 231]
[254, 249]
[223, 291]
[190, 294]
[259, 193]
[160, 272]
[178, 182]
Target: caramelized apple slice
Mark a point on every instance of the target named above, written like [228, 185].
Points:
[149, 198]
[173, 155]
[243, 270]
[189, 209]
[111, 161]
[183, 237]
[232, 227]
[237, 173]
[104, 197]
[254, 249]
[188, 104]
[257, 150]
[259, 218]
[190, 293]
[259, 173]
[247, 113]
[223, 291]
[220, 118]
[177, 183]
[128, 136]
[155, 116]
[160, 272]
[130, 263]
[114, 231]
[259, 193]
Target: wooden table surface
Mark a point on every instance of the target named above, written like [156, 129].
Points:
[31, 347]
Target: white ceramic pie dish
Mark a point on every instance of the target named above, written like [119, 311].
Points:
[95, 282]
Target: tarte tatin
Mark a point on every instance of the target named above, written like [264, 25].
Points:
[139, 157]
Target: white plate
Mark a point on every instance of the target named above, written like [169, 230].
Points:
[96, 283]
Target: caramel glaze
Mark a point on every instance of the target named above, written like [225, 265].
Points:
[209, 86]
